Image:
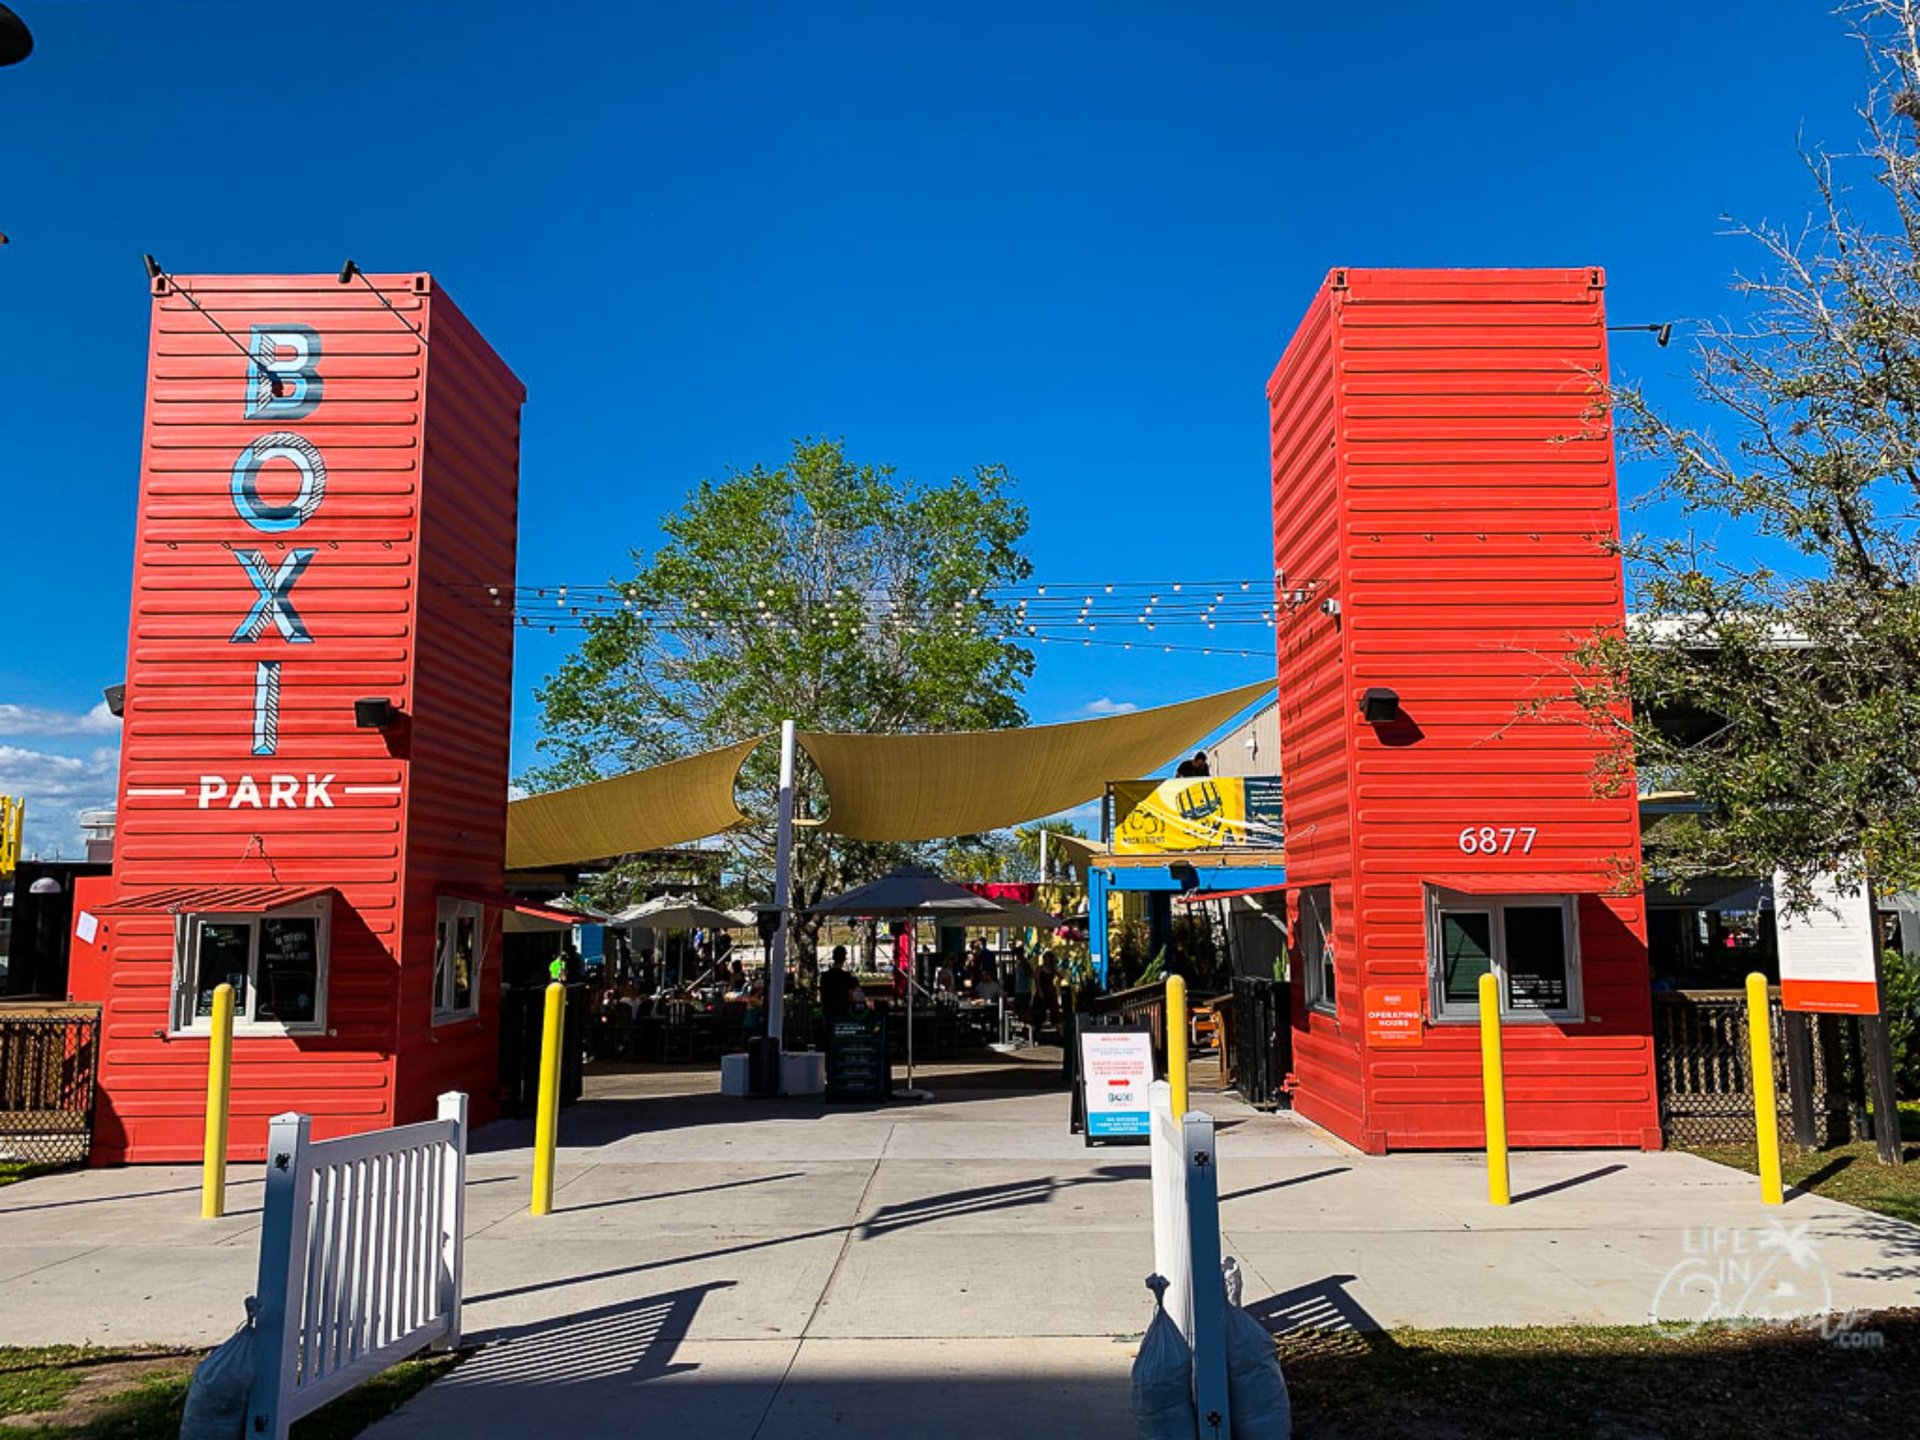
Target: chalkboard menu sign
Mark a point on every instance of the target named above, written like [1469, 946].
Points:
[857, 1065]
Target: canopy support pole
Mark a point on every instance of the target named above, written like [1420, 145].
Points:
[782, 894]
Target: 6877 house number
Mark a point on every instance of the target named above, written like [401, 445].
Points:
[1497, 839]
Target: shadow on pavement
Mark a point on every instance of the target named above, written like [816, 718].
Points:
[932, 1210]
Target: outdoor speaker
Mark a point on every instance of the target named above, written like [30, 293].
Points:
[375, 714]
[116, 698]
[1380, 706]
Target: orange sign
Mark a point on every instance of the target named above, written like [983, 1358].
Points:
[1831, 997]
[1394, 1015]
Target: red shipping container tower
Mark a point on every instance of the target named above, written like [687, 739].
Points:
[327, 517]
[1444, 510]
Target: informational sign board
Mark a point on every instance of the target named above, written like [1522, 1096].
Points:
[857, 1065]
[1221, 812]
[1827, 953]
[1116, 1070]
[1394, 1015]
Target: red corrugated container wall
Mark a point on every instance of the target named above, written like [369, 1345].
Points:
[462, 697]
[326, 582]
[1443, 468]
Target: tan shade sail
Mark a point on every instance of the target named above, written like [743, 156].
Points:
[928, 787]
[670, 804]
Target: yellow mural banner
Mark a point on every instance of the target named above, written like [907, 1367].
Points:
[1204, 812]
[13, 815]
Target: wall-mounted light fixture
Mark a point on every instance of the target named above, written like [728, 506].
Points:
[1661, 330]
[375, 714]
[1380, 706]
[1185, 876]
[116, 698]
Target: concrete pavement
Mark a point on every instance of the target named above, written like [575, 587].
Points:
[744, 1268]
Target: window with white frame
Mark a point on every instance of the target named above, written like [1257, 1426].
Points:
[460, 935]
[1313, 945]
[1529, 943]
[275, 962]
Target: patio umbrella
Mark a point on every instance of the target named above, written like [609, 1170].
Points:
[675, 913]
[913, 892]
[908, 892]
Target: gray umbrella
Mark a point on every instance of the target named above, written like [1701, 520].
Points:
[912, 891]
[675, 913]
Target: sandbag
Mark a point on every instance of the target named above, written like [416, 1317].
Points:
[217, 1398]
[1258, 1407]
[1163, 1376]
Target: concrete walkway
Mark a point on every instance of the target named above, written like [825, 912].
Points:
[738, 1268]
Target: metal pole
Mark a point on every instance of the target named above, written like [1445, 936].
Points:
[1177, 1043]
[213, 1164]
[782, 896]
[1766, 1111]
[1493, 1082]
[546, 1117]
[911, 1092]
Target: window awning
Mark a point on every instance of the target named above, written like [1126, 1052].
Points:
[1497, 882]
[211, 900]
[512, 905]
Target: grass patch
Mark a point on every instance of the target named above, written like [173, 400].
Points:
[1597, 1381]
[14, 1171]
[60, 1393]
[1851, 1172]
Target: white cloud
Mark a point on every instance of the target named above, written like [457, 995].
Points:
[1105, 706]
[32, 720]
[57, 788]
[517, 792]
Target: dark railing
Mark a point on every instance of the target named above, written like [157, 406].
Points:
[1142, 1002]
[522, 1020]
[49, 1068]
[1705, 1070]
[1261, 1039]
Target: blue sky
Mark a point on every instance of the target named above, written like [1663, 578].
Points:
[1072, 238]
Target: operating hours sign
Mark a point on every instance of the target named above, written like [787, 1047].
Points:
[1116, 1075]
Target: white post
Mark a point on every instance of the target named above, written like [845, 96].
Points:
[278, 1283]
[453, 1210]
[1043, 857]
[782, 893]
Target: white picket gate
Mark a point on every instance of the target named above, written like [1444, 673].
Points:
[360, 1258]
[1186, 1247]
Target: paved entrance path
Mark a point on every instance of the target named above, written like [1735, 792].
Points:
[965, 1268]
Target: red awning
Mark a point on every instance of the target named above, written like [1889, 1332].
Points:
[1194, 896]
[500, 900]
[1496, 882]
[211, 900]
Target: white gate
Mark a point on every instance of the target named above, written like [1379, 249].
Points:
[1186, 1248]
[360, 1254]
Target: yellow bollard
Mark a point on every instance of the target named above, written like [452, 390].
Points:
[546, 1120]
[213, 1164]
[1766, 1114]
[1493, 1082]
[1177, 1043]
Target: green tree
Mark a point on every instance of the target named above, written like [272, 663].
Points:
[1007, 854]
[1775, 668]
[839, 595]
